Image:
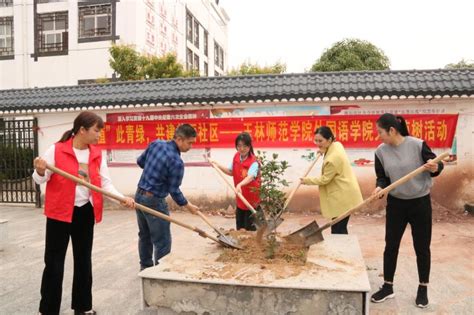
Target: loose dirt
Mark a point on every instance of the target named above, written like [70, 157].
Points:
[255, 252]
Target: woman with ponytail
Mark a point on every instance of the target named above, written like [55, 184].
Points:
[409, 203]
[245, 170]
[72, 210]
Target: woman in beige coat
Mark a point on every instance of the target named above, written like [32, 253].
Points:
[338, 187]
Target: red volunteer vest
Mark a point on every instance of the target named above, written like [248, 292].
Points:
[61, 192]
[251, 191]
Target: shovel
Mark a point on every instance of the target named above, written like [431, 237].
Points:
[279, 220]
[222, 237]
[312, 233]
[259, 216]
[158, 214]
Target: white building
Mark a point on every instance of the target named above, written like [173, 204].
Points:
[68, 41]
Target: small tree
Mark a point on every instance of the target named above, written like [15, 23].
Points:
[131, 65]
[166, 66]
[125, 61]
[352, 55]
[463, 64]
[248, 68]
[271, 195]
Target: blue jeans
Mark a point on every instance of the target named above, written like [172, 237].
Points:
[153, 232]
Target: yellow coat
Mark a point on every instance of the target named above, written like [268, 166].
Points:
[338, 187]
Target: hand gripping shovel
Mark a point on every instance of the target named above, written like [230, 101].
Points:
[278, 220]
[312, 233]
[259, 217]
[139, 206]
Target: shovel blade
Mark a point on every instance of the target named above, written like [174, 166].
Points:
[272, 224]
[259, 219]
[264, 226]
[228, 241]
[308, 235]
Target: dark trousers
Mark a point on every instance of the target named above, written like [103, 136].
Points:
[340, 227]
[154, 234]
[416, 212]
[81, 232]
[245, 220]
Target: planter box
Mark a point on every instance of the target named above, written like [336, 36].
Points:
[334, 281]
[3, 234]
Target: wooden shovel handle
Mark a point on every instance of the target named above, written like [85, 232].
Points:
[121, 199]
[205, 219]
[384, 191]
[290, 197]
[221, 173]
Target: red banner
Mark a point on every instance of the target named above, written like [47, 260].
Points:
[357, 131]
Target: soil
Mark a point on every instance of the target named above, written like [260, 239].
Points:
[255, 252]
[252, 264]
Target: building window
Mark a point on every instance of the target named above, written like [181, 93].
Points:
[163, 12]
[6, 3]
[206, 69]
[189, 59]
[6, 36]
[196, 63]
[192, 29]
[189, 27]
[192, 60]
[196, 33]
[218, 55]
[206, 43]
[95, 21]
[52, 32]
[163, 28]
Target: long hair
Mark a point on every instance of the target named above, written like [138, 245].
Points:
[85, 119]
[325, 132]
[246, 139]
[387, 121]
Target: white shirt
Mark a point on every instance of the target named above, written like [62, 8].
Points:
[83, 194]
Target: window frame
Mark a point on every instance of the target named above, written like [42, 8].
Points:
[206, 69]
[196, 62]
[6, 3]
[41, 33]
[192, 29]
[189, 59]
[189, 27]
[8, 52]
[81, 38]
[206, 43]
[218, 56]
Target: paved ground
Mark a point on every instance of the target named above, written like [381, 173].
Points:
[116, 287]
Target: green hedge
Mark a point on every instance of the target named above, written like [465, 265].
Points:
[15, 162]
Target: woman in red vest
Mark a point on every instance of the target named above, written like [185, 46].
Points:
[72, 211]
[245, 170]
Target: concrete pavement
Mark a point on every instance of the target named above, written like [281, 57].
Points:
[116, 288]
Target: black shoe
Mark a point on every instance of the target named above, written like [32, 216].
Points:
[91, 312]
[385, 292]
[422, 296]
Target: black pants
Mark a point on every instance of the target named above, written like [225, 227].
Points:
[400, 212]
[245, 220]
[340, 227]
[81, 231]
